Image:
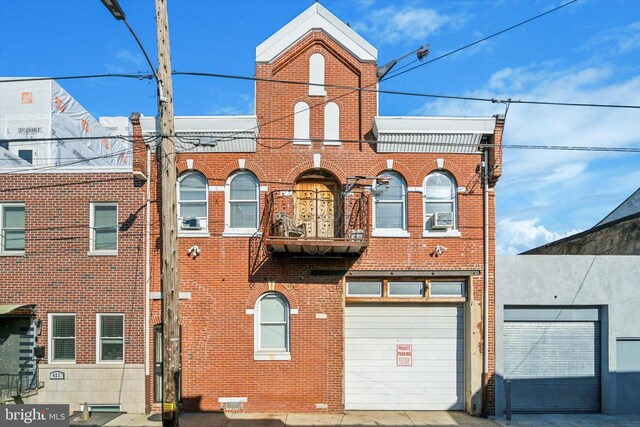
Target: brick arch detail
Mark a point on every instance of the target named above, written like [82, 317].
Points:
[263, 288]
[305, 166]
[249, 165]
[399, 167]
[198, 166]
[432, 166]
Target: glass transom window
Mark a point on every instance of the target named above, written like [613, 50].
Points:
[406, 289]
[446, 289]
[364, 289]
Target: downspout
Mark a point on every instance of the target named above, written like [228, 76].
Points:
[485, 276]
[147, 263]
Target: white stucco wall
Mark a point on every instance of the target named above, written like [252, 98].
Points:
[611, 282]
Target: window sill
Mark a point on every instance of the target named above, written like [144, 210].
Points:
[390, 233]
[266, 355]
[335, 143]
[106, 362]
[301, 142]
[12, 253]
[60, 362]
[318, 92]
[102, 253]
[202, 233]
[448, 233]
[236, 233]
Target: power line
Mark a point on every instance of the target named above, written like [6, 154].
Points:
[138, 75]
[481, 40]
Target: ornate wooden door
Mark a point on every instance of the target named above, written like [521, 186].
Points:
[315, 206]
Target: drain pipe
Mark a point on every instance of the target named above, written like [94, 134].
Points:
[485, 276]
[147, 279]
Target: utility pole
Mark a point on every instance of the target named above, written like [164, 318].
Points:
[167, 152]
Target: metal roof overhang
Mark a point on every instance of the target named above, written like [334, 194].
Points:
[18, 309]
[316, 246]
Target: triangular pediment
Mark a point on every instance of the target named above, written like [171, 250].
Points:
[316, 17]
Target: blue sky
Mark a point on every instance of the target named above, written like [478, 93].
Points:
[586, 52]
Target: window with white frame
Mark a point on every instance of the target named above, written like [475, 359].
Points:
[390, 195]
[12, 227]
[439, 202]
[62, 338]
[331, 124]
[110, 338]
[301, 117]
[193, 202]
[243, 195]
[364, 288]
[104, 227]
[272, 324]
[316, 75]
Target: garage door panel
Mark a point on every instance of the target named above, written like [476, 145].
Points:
[553, 366]
[373, 380]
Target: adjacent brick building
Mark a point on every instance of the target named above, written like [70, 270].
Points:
[72, 256]
[330, 258]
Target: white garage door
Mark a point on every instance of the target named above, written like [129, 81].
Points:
[383, 373]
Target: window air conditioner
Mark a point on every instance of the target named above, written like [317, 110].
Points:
[442, 220]
[190, 223]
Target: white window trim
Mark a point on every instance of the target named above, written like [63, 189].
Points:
[239, 232]
[320, 73]
[50, 351]
[390, 232]
[2, 206]
[271, 354]
[297, 119]
[204, 230]
[331, 141]
[99, 339]
[452, 232]
[92, 250]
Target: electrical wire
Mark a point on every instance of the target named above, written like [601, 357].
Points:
[138, 75]
[480, 40]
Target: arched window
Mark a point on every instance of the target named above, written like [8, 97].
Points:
[243, 195]
[390, 207]
[439, 202]
[331, 124]
[193, 197]
[316, 75]
[301, 124]
[271, 325]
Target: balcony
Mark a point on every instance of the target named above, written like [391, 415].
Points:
[316, 221]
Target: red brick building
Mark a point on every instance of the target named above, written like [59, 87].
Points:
[72, 257]
[331, 259]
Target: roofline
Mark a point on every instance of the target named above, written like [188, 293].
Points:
[616, 208]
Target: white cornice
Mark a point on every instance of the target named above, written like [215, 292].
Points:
[316, 17]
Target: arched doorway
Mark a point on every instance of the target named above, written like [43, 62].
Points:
[317, 204]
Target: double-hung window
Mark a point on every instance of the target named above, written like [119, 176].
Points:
[193, 202]
[272, 327]
[62, 338]
[390, 207]
[110, 338]
[12, 228]
[104, 228]
[243, 195]
[440, 203]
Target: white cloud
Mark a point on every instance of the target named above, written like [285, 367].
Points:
[391, 24]
[564, 189]
[519, 236]
[617, 41]
[125, 61]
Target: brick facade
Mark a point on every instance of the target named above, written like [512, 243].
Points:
[58, 274]
[217, 333]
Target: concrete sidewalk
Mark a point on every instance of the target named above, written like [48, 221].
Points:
[569, 420]
[352, 419]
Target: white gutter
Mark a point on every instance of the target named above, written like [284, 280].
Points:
[147, 267]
